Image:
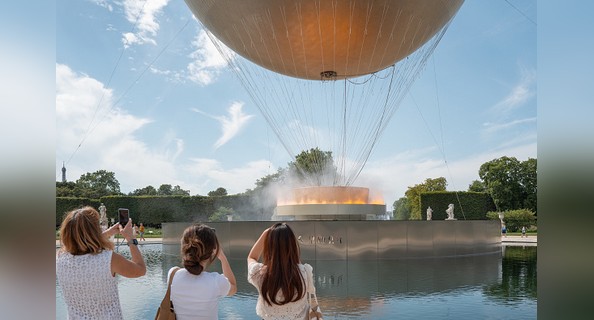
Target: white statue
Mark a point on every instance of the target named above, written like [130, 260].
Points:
[103, 217]
[450, 212]
[429, 213]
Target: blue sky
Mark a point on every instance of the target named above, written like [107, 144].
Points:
[142, 93]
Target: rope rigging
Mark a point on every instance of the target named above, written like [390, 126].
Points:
[340, 113]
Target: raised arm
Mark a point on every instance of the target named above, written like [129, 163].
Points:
[228, 272]
[258, 247]
[113, 230]
[133, 268]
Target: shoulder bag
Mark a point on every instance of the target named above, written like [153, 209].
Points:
[165, 310]
[314, 308]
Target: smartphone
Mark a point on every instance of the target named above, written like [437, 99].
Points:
[123, 215]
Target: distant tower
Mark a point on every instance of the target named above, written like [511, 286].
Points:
[63, 172]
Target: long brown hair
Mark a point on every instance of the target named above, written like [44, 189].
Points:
[80, 232]
[281, 257]
[199, 243]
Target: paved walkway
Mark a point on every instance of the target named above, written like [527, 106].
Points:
[519, 240]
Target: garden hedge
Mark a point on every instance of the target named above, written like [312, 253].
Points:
[154, 210]
[467, 205]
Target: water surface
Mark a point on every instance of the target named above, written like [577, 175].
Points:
[477, 287]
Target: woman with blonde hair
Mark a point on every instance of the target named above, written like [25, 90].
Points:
[281, 277]
[195, 293]
[86, 265]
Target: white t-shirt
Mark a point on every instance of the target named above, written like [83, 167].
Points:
[289, 311]
[197, 296]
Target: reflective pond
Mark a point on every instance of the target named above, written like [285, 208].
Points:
[478, 287]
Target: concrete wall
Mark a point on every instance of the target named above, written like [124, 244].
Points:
[362, 240]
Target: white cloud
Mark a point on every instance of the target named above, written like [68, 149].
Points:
[114, 143]
[142, 14]
[393, 175]
[235, 180]
[207, 60]
[491, 128]
[159, 71]
[97, 135]
[519, 94]
[104, 4]
[232, 124]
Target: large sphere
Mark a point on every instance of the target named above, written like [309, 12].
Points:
[339, 38]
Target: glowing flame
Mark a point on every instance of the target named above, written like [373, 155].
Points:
[329, 195]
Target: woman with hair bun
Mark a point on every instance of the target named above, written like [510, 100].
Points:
[195, 293]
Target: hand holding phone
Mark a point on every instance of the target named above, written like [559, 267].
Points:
[123, 215]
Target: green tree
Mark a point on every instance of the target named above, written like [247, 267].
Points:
[67, 189]
[528, 180]
[511, 183]
[98, 184]
[515, 219]
[414, 194]
[218, 193]
[477, 186]
[402, 209]
[221, 214]
[178, 191]
[146, 191]
[274, 178]
[314, 167]
[165, 190]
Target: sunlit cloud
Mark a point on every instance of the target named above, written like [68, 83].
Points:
[231, 124]
[143, 15]
[92, 134]
[207, 62]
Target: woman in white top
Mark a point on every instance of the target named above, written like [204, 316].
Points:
[280, 278]
[86, 265]
[195, 293]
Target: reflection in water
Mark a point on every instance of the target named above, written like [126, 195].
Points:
[517, 280]
[477, 287]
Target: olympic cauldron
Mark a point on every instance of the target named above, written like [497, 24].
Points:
[329, 203]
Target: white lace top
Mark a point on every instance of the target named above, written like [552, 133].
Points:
[89, 289]
[289, 311]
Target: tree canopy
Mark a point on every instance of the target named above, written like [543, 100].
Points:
[219, 192]
[103, 183]
[511, 183]
[477, 186]
[401, 209]
[98, 184]
[164, 190]
[413, 194]
[314, 167]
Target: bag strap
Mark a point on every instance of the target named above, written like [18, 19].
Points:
[166, 303]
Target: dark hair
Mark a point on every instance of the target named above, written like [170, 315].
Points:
[199, 243]
[281, 257]
[80, 232]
